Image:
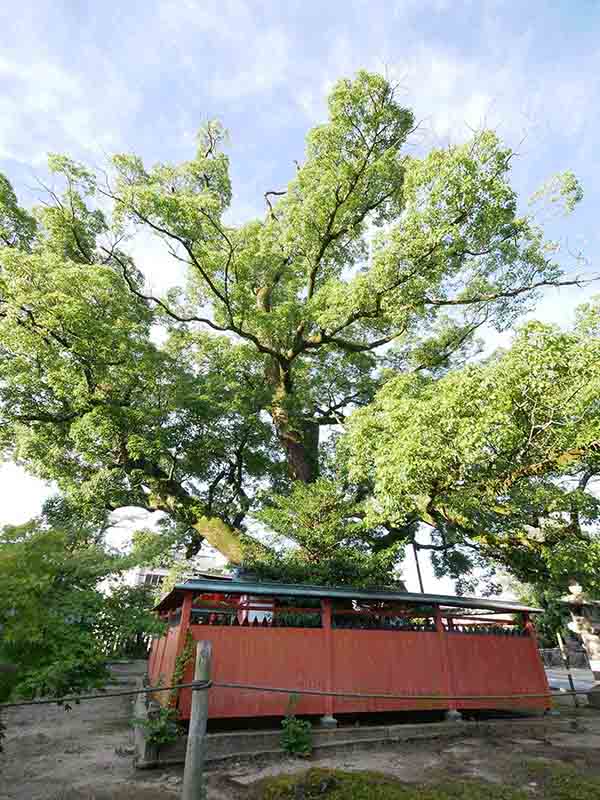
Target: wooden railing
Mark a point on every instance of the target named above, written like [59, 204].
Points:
[234, 613]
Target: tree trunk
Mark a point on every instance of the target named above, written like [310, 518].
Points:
[299, 438]
[301, 444]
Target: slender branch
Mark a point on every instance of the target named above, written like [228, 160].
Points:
[486, 298]
[112, 254]
[176, 237]
[274, 194]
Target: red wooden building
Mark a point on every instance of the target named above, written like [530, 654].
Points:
[480, 653]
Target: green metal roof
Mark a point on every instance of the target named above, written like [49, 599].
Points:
[271, 589]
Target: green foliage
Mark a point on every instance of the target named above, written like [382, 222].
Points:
[17, 227]
[296, 737]
[57, 627]
[160, 727]
[332, 543]
[496, 458]
[126, 619]
[555, 616]
[562, 189]
[181, 663]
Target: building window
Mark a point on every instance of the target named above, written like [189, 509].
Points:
[153, 580]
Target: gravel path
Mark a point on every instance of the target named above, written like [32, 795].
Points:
[52, 754]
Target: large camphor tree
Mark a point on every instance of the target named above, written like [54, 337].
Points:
[373, 261]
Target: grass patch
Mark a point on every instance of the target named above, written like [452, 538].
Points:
[552, 782]
[557, 782]
[324, 784]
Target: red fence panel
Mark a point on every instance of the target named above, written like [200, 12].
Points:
[371, 661]
[494, 665]
[164, 662]
[283, 657]
[382, 662]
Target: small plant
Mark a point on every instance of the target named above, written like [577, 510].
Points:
[160, 726]
[297, 733]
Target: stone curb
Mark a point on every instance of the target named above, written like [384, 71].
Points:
[240, 746]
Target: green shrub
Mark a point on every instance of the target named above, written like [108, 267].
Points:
[160, 727]
[297, 733]
[297, 736]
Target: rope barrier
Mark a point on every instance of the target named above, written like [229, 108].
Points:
[205, 685]
[320, 692]
[76, 698]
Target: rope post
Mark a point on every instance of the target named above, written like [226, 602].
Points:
[194, 786]
[564, 654]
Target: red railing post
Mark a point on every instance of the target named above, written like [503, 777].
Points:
[328, 720]
[185, 621]
[452, 714]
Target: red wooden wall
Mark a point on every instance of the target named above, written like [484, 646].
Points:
[488, 665]
[373, 661]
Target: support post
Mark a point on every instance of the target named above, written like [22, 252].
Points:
[567, 665]
[529, 627]
[452, 714]
[416, 552]
[194, 785]
[185, 621]
[328, 720]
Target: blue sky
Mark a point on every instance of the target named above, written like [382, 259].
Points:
[91, 79]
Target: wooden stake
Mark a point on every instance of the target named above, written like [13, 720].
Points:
[194, 786]
[567, 665]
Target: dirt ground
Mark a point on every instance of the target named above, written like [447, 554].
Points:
[86, 754]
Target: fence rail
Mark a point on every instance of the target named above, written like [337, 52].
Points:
[551, 657]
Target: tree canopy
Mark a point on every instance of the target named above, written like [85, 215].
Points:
[497, 459]
[364, 281]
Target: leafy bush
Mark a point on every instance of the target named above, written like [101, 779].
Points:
[297, 736]
[297, 733]
[160, 727]
[58, 627]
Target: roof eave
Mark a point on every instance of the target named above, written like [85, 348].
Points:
[333, 592]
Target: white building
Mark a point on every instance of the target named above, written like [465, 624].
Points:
[209, 561]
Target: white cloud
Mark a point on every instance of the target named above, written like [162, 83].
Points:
[258, 53]
[263, 68]
[500, 85]
[21, 495]
[453, 93]
[44, 107]
[151, 256]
